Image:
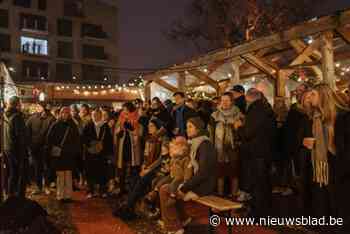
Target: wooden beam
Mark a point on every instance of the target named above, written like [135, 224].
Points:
[281, 83]
[328, 59]
[345, 33]
[306, 53]
[236, 74]
[181, 81]
[214, 66]
[204, 77]
[148, 90]
[260, 64]
[166, 85]
[299, 46]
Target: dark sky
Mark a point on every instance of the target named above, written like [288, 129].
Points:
[141, 25]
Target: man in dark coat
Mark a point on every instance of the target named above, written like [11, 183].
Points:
[238, 92]
[15, 146]
[181, 114]
[257, 136]
[38, 126]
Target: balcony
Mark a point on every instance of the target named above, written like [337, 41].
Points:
[93, 31]
[34, 71]
[94, 52]
[34, 24]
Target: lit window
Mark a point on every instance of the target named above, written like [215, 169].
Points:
[34, 46]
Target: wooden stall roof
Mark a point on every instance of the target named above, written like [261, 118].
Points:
[300, 46]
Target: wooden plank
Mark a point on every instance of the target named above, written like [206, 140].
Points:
[328, 59]
[260, 64]
[306, 53]
[204, 77]
[345, 33]
[299, 46]
[166, 85]
[218, 203]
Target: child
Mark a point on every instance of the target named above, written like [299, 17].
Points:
[180, 168]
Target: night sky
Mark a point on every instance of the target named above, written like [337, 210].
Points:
[142, 23]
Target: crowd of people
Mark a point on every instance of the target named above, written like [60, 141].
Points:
[168, 153]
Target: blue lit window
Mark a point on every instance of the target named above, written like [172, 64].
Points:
[32, 45]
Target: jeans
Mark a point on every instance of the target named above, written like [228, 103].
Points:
[16, 185]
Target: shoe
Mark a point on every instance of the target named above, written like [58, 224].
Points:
[89, 196]
[52, 185]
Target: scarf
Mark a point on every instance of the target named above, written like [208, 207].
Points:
[195, 143]
[324, 143]
[98, 126]
[224, 138]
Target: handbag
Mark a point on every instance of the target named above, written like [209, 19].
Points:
[96, 147]
[56, 151]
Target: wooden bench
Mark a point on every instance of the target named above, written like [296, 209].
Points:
[219, 206]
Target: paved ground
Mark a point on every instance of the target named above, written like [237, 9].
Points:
[95, 217]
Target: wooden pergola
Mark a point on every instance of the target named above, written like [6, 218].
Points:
[315, 45]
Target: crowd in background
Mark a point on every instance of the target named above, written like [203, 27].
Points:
[235, 146]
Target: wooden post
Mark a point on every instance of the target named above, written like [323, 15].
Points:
[181, 81]
[280, 105]
[235, 76]
[280, 90]
[328, 59]
[148, 90]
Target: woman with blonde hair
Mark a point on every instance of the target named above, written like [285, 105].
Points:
[326, 111]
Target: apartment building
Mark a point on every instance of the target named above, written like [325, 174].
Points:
[59, 41]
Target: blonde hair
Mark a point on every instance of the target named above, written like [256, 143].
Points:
[180, 145]
[329, 103]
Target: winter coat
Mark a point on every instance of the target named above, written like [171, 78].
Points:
[222, 133]
[291, 141]
[105, 136]
[187, 114]
[258, 132]
[342, 162]
[38, 126]
[153, 147]
[71, 146]
[135, 135]
[15, 135]
[204, 181]
[241, 103]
